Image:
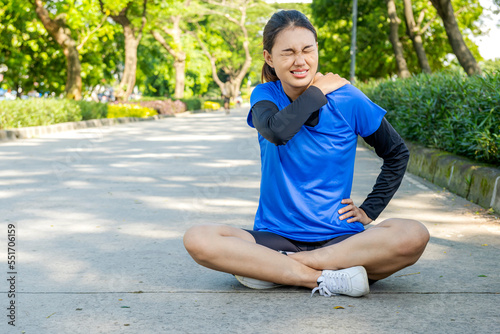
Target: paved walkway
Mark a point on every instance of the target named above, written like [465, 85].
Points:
[99, 216]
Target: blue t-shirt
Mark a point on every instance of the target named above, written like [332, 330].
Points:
[304, 181]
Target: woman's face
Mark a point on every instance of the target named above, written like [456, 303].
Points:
[294, 57]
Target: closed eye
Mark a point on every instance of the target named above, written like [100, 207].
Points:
[290, 52]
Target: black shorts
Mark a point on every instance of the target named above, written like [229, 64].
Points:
[280, 243]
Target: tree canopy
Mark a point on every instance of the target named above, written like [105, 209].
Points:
[209, 33]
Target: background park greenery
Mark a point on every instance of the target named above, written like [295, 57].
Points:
[187, 49]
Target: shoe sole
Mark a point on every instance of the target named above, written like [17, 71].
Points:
[253, 283]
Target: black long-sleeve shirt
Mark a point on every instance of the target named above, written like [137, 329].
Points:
[279, 126]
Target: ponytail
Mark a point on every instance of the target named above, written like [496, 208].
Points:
[268, 74]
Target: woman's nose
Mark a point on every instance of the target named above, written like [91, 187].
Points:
[299, 59]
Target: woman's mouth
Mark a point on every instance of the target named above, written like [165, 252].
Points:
[300, 73]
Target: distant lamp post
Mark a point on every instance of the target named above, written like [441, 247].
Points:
[353, 40]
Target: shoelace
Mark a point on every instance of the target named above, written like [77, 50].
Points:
[338, 283]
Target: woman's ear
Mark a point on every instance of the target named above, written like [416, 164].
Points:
[268, 58]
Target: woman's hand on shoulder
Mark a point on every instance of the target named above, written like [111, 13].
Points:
[353, 212]
[329, 82]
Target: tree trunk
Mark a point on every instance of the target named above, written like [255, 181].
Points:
[73, 88]
[127, 83]
[132, 41]
[394, 38]
[62, 35]
[416, 37]
[178, 54]
[180, 77]
[464, 56]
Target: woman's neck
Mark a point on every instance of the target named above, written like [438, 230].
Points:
[294, 92]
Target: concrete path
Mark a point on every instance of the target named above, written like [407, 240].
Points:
[99, 216]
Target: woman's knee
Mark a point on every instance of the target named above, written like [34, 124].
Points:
[203, 242]
[197, 240]
[412, 237]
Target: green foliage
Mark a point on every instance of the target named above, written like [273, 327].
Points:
[491, 65]
[193, 103]
[224, 38]
[35, 112]
[33, 59]
[92, 110]
[448, 111]
[129, 110]
[374, 55]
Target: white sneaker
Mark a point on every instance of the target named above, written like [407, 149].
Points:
[351, 282]
[253, 283]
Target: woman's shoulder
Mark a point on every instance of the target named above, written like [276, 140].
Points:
[266, 91]
[348, 92]
[268, 86]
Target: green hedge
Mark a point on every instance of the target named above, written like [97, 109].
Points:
[93, 110]
[448, 111]
[40, 112]
[34, 112]
[193, 103]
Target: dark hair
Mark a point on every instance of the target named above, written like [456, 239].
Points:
[280, 21]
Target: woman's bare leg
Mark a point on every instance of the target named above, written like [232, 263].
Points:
[383, 249]
[233, 250]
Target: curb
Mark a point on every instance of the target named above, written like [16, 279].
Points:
[36, 131]
[477, 182]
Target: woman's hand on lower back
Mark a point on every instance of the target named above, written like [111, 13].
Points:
[354, 213]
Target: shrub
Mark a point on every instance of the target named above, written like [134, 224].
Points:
[162, 106]
[448, 111]
[36, 112]
[211, 105]
[179, 106]
[150, 98]
[92, 110]
[129, 110]
[193, 103]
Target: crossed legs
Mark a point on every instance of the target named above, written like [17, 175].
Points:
[383, 249]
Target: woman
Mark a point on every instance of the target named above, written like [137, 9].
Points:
[307, 230]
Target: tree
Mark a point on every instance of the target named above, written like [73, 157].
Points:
[170, 24]
[229, 46]
[126, 15]
[464, 55]
[31, 58]
[374, 53]
[415, 34]
[374, 57]
[58, 29]
[394, 38]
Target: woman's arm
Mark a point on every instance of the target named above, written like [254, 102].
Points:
[279, 126]
[389, 146]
